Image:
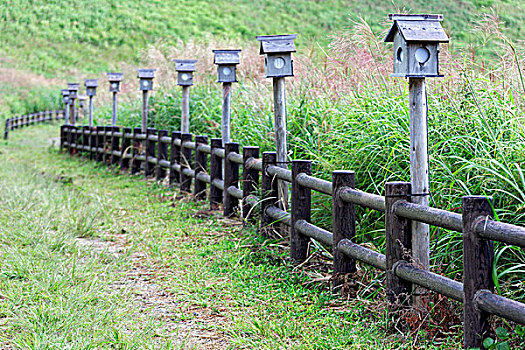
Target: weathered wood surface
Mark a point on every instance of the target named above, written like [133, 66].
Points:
[398, 242]
[250, 182]
[135, 162]
[231, 178]
[419, 165]
[226, 113]
[125, 150]
[150, 152]
[500, 231]
[114, 109]
[174, 158]
[478, 257]
[343, 225]
[144, 111]
[279, 215]
[279, 109]
[201, 165]
[315, 232]
[316, 184]
[363, 199]
[269, 193]
[437, 217]
[162, 155]
[301, 210]
[495, 304]
[115, 145]
[430, 280]
[185, 117]
[186, 163]
[215, 173]
[363, 254]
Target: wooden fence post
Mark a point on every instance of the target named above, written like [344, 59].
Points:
[125, 150]
[215, 173]
[201, 160]
[135, 163]
[231, 178]
[93, 143]
[62, 136]
[115, 145]
[269, 193]
[100, 144]
[301, 210]
[398, 244]
[72, 139]
[250, 181]
[185, 163]
[86, 138]
[478, 257]
[7, 126]
[343, 226]
[150, 152]
[162, 154]
[174, 158]
[107, 143]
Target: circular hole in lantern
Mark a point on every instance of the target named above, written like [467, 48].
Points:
[145, 84]
[226, 71]
[399, 55]
[185, 76]
[114, 85]
[279, 63]
[422, 55]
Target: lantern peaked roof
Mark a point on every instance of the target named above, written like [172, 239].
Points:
[146, 73]
[65, 92]
[185, 65]
[115, 76]
[226, 56]
[417, 28]
[277, 43]
[72, 86]
[91, 82]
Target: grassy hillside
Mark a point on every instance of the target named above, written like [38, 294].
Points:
[64, 37]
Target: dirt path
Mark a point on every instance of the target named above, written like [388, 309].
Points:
[190, 327]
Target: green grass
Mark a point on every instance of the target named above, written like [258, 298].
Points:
[65, 38]
[92, 259]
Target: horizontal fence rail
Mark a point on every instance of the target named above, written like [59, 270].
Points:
[214, 170]
[30, 119]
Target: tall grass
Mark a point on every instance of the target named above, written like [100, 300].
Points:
[346, 112]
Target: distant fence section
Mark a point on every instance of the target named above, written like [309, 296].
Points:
[212, 171]
[30, 119]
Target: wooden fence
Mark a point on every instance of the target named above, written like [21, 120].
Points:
[30, 119]
[186, 160]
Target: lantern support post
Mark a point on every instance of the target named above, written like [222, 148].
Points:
[114, 111]
[226, 61]
[114, 87]
[90, 111]
[226, 112]
[65, 101]
[416, 39]
[145, 84]
[144, 111]
[279, 110]
[185, 69]
[278, 50]
[185, 115]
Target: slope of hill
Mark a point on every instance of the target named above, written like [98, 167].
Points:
[63, 37]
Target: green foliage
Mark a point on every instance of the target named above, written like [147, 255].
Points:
[16, 101]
